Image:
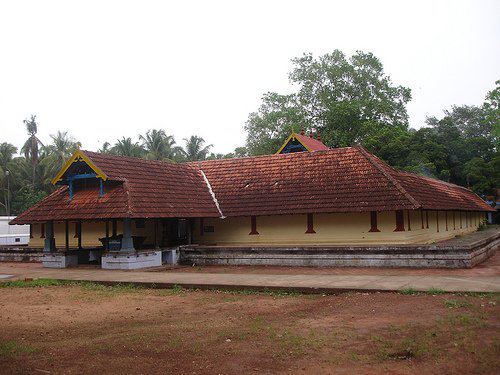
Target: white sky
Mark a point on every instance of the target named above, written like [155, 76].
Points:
[106, 69]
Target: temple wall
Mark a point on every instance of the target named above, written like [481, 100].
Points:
[335, 229]
[91, 232]
[331, 229]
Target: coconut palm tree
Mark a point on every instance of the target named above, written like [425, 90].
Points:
[105, 149]
[54, 155]
[195, 148]
[158, 145]
[126, 147]
[30, 148]
[7, 152]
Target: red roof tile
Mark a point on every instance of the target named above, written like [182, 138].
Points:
[335, 180]
[311, 143]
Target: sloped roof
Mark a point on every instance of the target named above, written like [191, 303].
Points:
[136, 188]
[335, 180]
[310, 143]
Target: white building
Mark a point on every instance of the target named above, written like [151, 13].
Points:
[12, 235]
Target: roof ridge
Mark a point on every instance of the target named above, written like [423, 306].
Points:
[289, 155]
[387, 175]
[127, 194]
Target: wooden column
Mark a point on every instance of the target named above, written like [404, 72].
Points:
[373, 222]
[253, 225]
[156, 242]
[400, 221]
[49, 243]
[437, 221]
[66, 233]
[310, 224]
[79, 227]
[189, 231]
[106, 247]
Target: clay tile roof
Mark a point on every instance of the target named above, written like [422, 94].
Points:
[334, 180]
[136, 188]
[311, 143]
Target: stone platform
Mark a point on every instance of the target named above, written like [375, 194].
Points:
[459, 252]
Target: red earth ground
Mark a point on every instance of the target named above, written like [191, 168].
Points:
[93, 329]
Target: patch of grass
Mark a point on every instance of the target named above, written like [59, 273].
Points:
[408, 291]
[32, 283]
[435, 291]
[463, 320]
[98, 287]
[12, 348]
[263, 292]
[456, 303]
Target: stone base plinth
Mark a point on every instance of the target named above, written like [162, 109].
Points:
[130, 261]
[464, 252]
[59, 260]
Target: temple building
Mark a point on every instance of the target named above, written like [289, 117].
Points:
[125, 212]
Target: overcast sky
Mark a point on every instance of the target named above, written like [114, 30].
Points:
[106, 69]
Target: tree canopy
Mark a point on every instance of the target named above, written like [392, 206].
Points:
[349, 100]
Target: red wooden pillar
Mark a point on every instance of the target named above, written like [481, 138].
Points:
[409, 220]
[446, 219]
[373, 222]
[400, 221]
[454, 227]
[422, 218]
[426, 219]
[310, 224]
[253, 224]
[437, 220]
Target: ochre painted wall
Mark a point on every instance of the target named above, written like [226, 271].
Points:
[91, 232]
[335, 229]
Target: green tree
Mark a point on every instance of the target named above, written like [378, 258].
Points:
[195, 149]
[53, 157]
[126, 147]
[346, 99]
[30, 148]
[105, 149]
[27, 197]
[158, 145]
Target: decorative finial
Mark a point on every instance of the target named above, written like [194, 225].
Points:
[310, 134]
[302, 132]
[319, 136]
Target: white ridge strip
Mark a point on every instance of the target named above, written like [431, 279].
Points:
[214, 198]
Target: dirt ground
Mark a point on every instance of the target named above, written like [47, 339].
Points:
[93, 329]
[490, 267]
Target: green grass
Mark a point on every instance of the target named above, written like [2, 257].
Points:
[413, 292]
[456, 303]
[434, 291]
[408, 291]
[12, 348]
[32, 283]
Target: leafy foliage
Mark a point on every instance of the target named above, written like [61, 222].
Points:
[352, 101]
[349, 100]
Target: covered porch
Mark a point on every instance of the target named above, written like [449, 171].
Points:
[112, 244]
